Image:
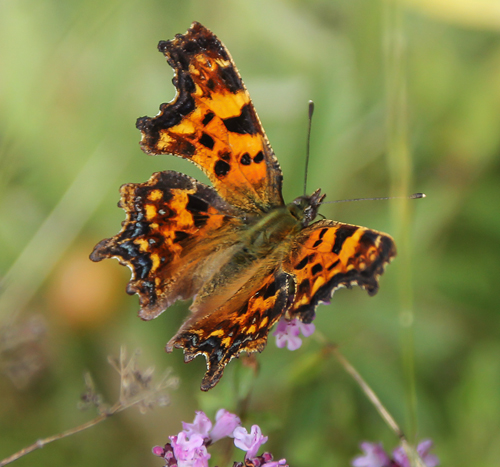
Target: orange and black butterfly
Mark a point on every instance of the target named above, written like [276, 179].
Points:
[245, 257]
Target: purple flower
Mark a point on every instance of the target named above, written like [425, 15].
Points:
[189, 447]
[249, 442]
[265, 460]
[423, 448]
[375, 456]
[225, 423]
[280, 463]
[201, 425]
[158, 451]
[167, 453]
[190, 452]
[287, 333]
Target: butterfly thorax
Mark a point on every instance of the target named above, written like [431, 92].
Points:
[262, 244]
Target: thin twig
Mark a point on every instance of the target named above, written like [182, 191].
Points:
[131, 376]
[384, 413]
[370, 394]
[43, 442]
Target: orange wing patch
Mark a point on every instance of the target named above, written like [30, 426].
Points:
[328, 255]
[213, 123]
[241, 324]
[166, 217]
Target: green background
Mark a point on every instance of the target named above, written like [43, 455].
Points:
[407, 99]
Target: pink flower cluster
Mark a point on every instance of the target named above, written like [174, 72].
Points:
[375, 456]
[189, 447]
[288, 332]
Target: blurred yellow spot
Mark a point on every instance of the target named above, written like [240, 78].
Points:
[150, 211]
[83, 294]
[155, 195]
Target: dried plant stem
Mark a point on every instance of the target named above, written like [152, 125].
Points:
[118, 407]
[136, 388]
[384, 413]
[370, 394]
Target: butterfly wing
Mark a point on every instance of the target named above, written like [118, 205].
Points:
[328, 255]
[175, 231]
[212, 123]
[240, 324]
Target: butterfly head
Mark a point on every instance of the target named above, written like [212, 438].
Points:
[305, 208]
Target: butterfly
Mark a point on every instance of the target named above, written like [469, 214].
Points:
[245, 257]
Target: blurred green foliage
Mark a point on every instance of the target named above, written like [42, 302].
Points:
[407, 99]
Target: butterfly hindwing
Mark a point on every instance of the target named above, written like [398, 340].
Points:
[212, 122]
[241, 324]
[328, 255]
[172, 221]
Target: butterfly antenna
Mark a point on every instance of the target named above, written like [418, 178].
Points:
[311, 111]
[413, 196]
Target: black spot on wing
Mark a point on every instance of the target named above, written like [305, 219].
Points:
[221, 168]
[180, 235]
[243, 123]
[302, 263]
[316, 268]
[208, 118]
[231, 79]
[196, 204]
[317, 243]
[323, 232]
[342, 234]
[207, 141]
[270, 290]
[333, 265]
[259, 157]
[245, 159]
[200, 220]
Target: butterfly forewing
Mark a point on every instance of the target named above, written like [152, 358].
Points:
[213, 123]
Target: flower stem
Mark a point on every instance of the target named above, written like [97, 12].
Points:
[384, 413]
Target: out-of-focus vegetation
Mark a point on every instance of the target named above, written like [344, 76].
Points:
[407, 99]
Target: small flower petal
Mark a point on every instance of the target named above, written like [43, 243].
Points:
[280, 463]
[201, 425]
[158, 451]
[190, 452]
[423, 448]
[375, 456]
[287, 333]
[249, 442]
[225, 423]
